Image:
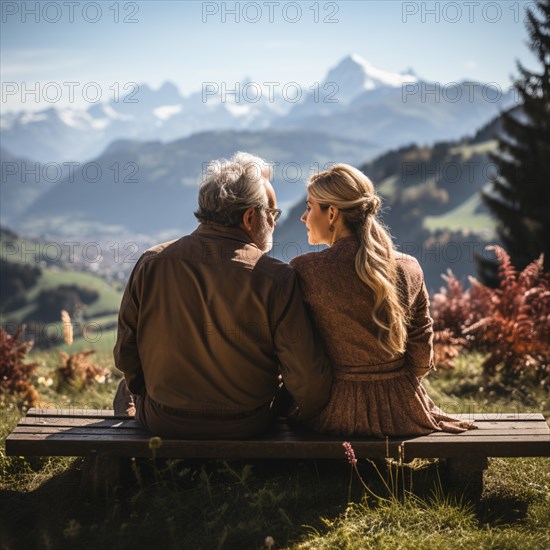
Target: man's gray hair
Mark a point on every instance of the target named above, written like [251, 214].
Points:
[229, 187]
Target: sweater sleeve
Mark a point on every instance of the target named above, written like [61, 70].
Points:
[419, 352]
[305, 369]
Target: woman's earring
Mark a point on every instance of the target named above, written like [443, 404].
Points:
[331, 228]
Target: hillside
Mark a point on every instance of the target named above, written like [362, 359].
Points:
[33, 291]
[22, 182]
[152, 187]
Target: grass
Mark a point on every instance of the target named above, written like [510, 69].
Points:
[388, 186]
[101, 339]
[103, 311]
[463, 218]
[66, 226]
[100, 395]
[423, 523]
[461, 390]
[108, 300]
[96, 330]
[300, 504]
[467, 151]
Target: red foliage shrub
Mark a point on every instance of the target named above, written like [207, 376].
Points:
[15, 374]
[447, 347]
[511, 323]
[77, 371]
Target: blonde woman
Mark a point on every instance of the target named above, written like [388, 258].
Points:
[371, 307]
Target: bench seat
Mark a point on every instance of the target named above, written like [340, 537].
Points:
[110, 442]
[81, 432]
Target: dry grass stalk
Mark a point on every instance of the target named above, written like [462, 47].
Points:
[67, 327]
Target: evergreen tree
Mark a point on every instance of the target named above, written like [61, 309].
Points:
[519, 196]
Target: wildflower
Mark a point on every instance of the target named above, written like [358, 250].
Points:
[72, 530]
[350, 453]
[155, 443]
[269, 542]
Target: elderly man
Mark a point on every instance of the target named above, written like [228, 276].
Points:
[208, 322]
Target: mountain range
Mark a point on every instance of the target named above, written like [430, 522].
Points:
[354, 101]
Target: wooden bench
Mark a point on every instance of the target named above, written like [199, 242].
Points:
[99, 433]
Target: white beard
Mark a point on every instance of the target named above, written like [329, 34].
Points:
[263, 237]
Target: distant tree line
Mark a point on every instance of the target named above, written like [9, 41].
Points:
[15, 280]
[50, 302]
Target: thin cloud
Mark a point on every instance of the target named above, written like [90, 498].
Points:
[21, 61]
[276, 45]
[31, 67]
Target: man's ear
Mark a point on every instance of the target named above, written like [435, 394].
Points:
[248, 218]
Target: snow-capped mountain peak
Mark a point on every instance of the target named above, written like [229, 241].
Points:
[165, 112]
[355, 75]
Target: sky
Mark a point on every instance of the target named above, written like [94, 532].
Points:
[93, 50]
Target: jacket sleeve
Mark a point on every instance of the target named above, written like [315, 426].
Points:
[305, 369]
[126, 354]
[419, 352]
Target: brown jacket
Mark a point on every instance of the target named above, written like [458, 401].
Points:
[207, 321]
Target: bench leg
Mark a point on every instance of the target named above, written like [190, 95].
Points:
[465, 475]
[100, 474]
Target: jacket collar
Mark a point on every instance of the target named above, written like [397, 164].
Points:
[347, 240]
[219, 231]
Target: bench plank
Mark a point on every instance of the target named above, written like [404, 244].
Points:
[129, 445]
[72, 412]
[79, 422]
[483, 427]
[103, 428]
[66, 422]
[122, 445]
[103, 413]
[94, 432]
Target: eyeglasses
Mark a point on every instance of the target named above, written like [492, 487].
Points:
[275, 212]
